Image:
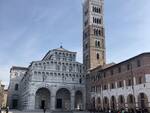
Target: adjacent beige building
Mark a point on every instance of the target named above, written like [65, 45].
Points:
[1, 93]
[4, 103]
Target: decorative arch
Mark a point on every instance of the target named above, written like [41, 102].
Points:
[93, 103]
[121, 102]
[105, 103]
[42, 98]
[113, 103]
[78, 100]
[98, 103]
[142, 101]
[63, 99]
[131, 102]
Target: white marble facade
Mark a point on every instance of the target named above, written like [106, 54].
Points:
[56, 82]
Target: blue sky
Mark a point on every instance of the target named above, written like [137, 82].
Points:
[29, 28]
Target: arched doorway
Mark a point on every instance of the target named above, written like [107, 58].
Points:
[131, 102]
[98, 104]
[63, 101]
[78, 100]
[42, 99]
[113, 103]
[93, 103]
[143, 101]
[105, 104]
[121, 102]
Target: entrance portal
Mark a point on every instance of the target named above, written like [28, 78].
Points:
[15, 103]
[42, 104]
[78, 100]
[42, 99]
[63, 99]
[59, 103]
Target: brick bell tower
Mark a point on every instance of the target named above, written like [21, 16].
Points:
[93, 34]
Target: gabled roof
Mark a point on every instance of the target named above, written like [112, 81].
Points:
[62, 49]
[59, 49]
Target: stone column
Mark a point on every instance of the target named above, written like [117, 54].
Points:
[126, 102]
[53, 99]
[72, 100]
[31, 102]
[136, 100]
[84, 99]
[134, 81]
[124, 82]
[117, 102]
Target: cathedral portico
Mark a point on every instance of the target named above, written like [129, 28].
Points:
[42, 99]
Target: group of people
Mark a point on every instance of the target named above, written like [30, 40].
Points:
[6, 109]
[120, 111]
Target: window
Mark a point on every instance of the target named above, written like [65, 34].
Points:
[16, 87]
[97, 56]
[112, 86]
[128, 66]
[138, 63]
[104, 74]
[111, 72]
[96, 9]
[97, 20]
[86, 46]
[80, 80]
[97, 32]
[105, 87]
[98, 43]
[120, 84]
[140, 80]
[119, 69]
[130, 82]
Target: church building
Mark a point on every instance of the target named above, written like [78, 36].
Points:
[59, 83]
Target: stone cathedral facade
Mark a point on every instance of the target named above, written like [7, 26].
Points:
[59, 82]
[56, 82]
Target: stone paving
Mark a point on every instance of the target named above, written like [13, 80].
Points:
[14, 111]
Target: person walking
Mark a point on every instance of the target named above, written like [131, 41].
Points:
[44, 109]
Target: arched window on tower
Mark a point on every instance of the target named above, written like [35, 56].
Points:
[98, 44]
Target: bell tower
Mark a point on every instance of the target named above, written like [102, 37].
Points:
[93, 34]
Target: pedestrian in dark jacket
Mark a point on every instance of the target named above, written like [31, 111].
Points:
[44, 109]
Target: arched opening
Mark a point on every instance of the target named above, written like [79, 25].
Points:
[105, 104]
[98, 104]
[42, 99]
[121, 102]
[63, 101]
[97, 56]
[142, 101]
[131, 102]
[78, 100]
[16, 87]
[113, 103]
[93, 103]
